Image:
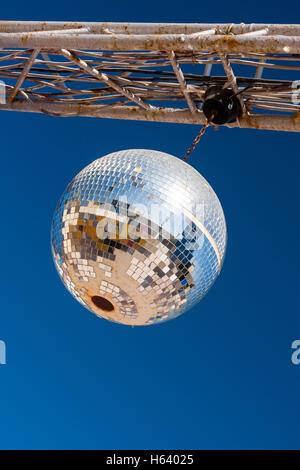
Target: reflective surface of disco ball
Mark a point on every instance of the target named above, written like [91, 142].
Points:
[138, 237]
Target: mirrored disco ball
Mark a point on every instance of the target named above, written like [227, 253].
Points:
[138, 237]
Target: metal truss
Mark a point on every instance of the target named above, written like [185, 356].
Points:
[152, 72]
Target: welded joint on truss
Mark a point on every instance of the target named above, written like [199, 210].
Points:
[228, 30]
[297, 115]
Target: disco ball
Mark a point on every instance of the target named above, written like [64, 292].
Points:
[138, 237]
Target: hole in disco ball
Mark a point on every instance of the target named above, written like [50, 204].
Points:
[102, 303]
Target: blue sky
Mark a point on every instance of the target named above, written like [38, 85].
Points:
[221, 375]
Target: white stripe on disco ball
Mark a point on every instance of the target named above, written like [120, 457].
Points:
[206, 233]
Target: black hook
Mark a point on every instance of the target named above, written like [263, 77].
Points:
[221, 105]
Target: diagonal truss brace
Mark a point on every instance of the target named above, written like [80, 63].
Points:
[232, 79]
[182, 82]
[22, 77]
[104, 78]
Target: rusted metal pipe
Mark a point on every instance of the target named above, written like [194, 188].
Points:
[163, 42]
[148, 28]
[184, 116]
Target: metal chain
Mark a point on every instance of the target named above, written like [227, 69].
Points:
[202, 131]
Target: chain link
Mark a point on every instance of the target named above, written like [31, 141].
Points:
[202, 131]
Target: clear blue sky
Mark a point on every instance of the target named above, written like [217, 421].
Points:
[221, 375]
